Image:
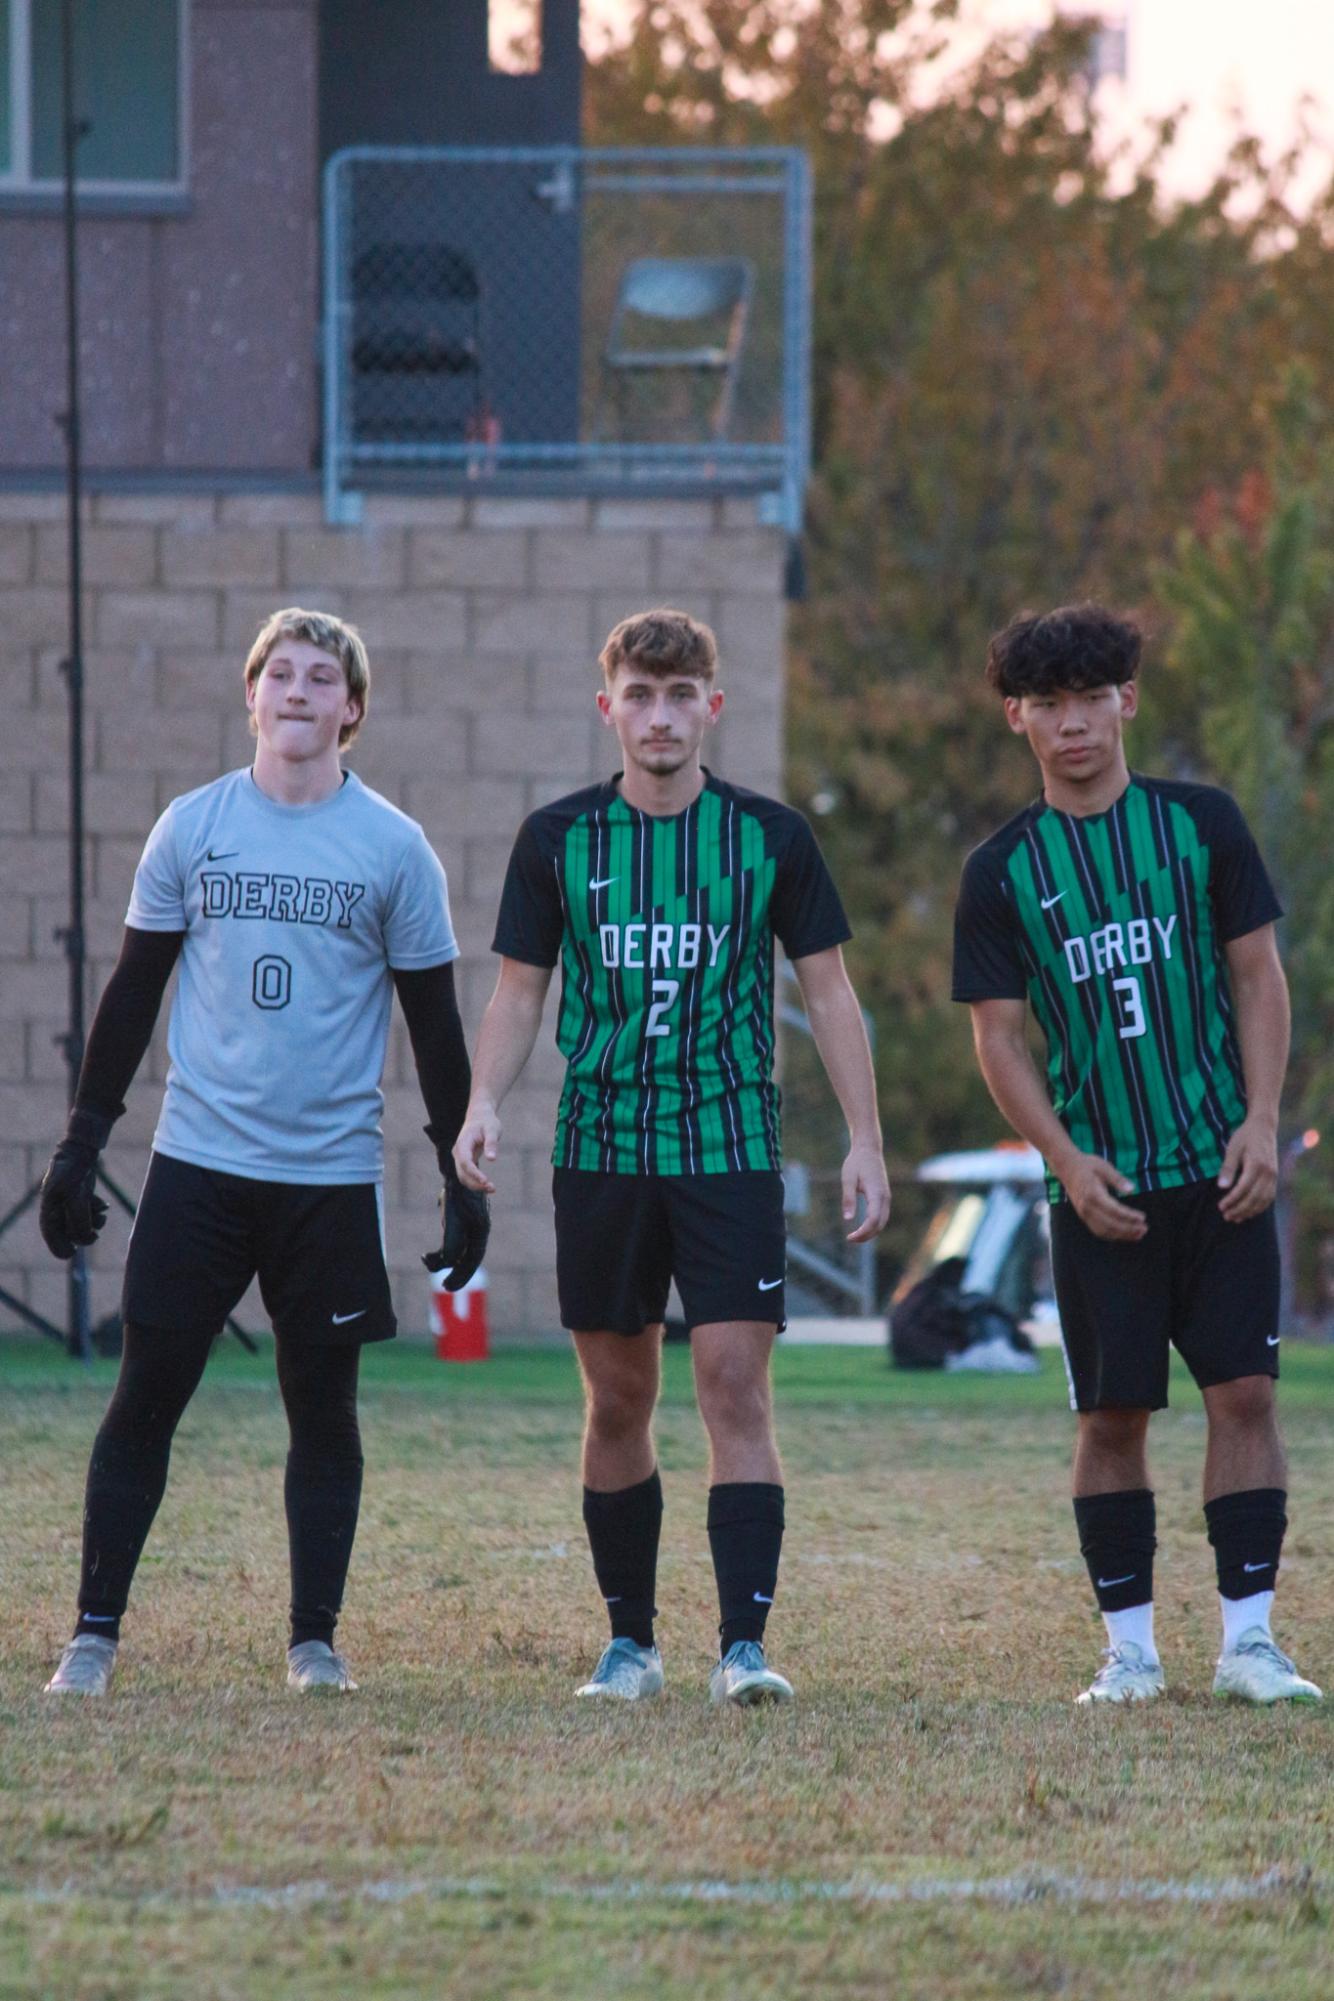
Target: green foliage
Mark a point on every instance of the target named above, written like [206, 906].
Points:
[1033, 372]
[1249, 692]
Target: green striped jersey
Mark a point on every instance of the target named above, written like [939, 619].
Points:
[664, 930]
[1113, 926]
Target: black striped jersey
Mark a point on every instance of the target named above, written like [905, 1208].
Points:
[664, 929]
[1113, 927]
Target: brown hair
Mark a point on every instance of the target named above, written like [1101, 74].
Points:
[661, 643]
[331, 635]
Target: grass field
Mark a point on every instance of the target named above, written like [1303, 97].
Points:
[932, 1818]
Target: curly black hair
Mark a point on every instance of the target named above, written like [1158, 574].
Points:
[1075, 646]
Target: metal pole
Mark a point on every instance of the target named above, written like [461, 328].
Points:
[79, 1332]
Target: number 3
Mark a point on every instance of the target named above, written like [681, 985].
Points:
[664, 994]
[1132, 1009]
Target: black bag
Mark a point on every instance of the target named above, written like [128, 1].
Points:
[928, 1323]
[936, 1320]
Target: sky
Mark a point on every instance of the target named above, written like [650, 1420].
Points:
[1207, 54]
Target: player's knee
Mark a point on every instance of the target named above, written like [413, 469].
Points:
[618, 1411]
[1247, 1405]
[1115, 1431]
[735, 1403]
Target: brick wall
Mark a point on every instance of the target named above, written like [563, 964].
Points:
[483, 619]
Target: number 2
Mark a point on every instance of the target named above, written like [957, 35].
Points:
[664, 994]
[1132, 1009]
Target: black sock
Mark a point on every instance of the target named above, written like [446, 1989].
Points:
[127, 1470]
[623, 1531]
[322, 1486]
[126, 1481]
[323, 1500]
[1246, 1531]
[1117, 1541]
[746, 1536]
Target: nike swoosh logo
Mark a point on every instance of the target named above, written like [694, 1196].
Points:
[226, 855]
[1272, 1340]
[1106, 1583]
[768, 1284]
[1257, 1566]
[341, 1319]
[603, 880]
[1048, 901]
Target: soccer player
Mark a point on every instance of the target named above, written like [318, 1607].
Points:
[296, 901]
[661, 893]
[1134, 916]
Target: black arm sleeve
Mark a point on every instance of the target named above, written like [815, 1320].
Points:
[435, 1029]
[123, 1025]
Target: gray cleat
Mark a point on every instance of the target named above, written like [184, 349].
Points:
[1256, 1671]
[743, 1676]
[314, 1664]
[1126, 1675]
[627, 1672]
[85, 1667]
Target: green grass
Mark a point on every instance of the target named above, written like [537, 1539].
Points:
[462, 1827]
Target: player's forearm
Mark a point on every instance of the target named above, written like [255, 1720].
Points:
[1012, 1078]
[840, 1037]
[126, 1014]
[1264, 1027]
[504, 1044]
[439, 1050]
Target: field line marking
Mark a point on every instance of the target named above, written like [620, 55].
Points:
[1033, 1887]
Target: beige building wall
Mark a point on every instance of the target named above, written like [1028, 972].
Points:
[483, 618]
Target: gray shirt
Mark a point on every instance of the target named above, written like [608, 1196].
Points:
[293, 917]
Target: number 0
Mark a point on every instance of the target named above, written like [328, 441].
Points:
[1132, 1009]
[271, 982]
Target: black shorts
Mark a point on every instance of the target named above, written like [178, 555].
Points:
[1195, 1282]
[199, 1237]
[622, 1238]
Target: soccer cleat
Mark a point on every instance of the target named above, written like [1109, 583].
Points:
[85, 1667]
[743, 1676]
[1125, 1676]
[627, 1672]
[314, 1664]
[1255, 1671]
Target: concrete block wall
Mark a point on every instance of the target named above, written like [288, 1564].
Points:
[483, 618]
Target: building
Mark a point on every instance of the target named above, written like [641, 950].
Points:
[484, 547]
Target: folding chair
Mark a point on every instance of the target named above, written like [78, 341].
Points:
[705, 301]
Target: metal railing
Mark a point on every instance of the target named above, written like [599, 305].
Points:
[606, 321]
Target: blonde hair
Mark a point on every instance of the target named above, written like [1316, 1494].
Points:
[331, 635]
[661, 643]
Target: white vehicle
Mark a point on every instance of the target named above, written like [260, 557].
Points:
[993, 1213]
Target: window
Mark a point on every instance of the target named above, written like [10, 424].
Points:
[514, 36]
[128, 86]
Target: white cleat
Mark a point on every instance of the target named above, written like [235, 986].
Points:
[85, 1667]
[1126, 1675]
[1255, 1671]
[744, 1677]
[314, 1664]
[627, 1672]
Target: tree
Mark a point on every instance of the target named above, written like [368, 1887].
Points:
[1032, 370]
[1249, 693]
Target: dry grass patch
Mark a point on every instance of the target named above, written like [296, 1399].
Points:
[463, 1827]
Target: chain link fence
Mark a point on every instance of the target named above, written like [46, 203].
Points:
[599, 321]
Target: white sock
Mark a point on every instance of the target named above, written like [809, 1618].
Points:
[1135, 1625]
[1241, 1613]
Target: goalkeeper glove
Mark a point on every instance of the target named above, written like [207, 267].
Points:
[465, 1216]
[71, 1212]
